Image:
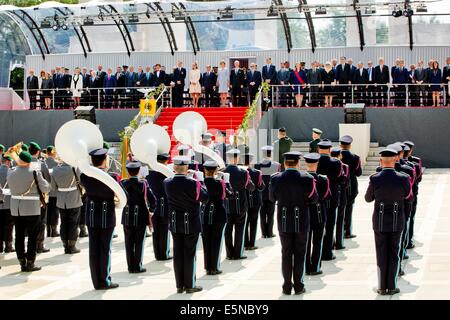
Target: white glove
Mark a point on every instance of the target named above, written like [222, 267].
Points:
[191, 173]
[226, 177]
[199, 176]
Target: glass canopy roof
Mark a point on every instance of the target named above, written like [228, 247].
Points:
[171, 26]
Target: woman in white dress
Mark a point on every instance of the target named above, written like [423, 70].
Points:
[76, 86]
[223, 83]
[195, 89]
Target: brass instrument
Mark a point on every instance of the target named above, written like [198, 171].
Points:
[14, 151]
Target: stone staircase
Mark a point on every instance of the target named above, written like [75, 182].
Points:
[372, 158]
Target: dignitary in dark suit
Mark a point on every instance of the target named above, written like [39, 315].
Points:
[314, 80]
[446, 79]
[121, 82]
[147, 78]
[389, 189]
[27, 188]
[253, 82]
[109, 85]
[237, 79]
[32, 87]
[66, 183]
[85, 75]
[184, 195]
[355, 170]
[237, 205]
[400, 77]
[382, 80]
[160, 218]
[294, 192]
[214, 216]
[129, 91]
[420, 77]
[254, 203]
[332, 168]
[318, 216]
[371, 90]
[179, 77]
[66, 93]
[100, 220]
[268, 167]
[94, 86]
[159, 76]
[360, 79]
[343, 78]
[269, 75]
[208, 81]
[136, 216]
[6, 220]
[283, 76]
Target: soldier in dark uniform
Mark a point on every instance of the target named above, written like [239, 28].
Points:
[184, 195]
[6, 220]
[65, 184]
[200, 157]
[268, 167]
[39, 165]
[214, 216]
[318, 216]
[342, 200]
[294, 192]
[355, 170]
[52, 209]
[316, 133]
[100, 220]
[136, 216]
[332, 168]
[418, 165]
[184, 150]
[238, 206]
[160, 218]
[389, 188]
[254, 204]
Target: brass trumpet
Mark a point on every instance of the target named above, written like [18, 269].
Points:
[14, 151]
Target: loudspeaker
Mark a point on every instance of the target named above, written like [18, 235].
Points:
[85, 113]
[355, 113]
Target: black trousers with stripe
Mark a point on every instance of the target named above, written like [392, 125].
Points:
[161, 238]
[387, 246]
[235, 247]
[212, 236]
[348, 217]
[251, 227]
[328, 239]
[184, 259]
[340, 221]
[293, 251]
[314, 248]
[134, 246]
[267, 216]
[100, 241]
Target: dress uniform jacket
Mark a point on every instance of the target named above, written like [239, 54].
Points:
[141, 201]
[40, 165]
[155, 181]
[51, 163]
[355, 170]
[333, 169]
[100, 207]
[255, 197]
[184, 195]
[240, 183]
[389, 188]
[64, 184]
[317, 210]
[24, 195]
[295, 192]
[4, 171]
[313, 145]
[267, 168]
[214, 211]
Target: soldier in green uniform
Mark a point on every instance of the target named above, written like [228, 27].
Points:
[282, 145]
[316, 133]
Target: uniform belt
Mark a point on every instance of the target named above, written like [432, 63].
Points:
[25, 197]
[67, 189]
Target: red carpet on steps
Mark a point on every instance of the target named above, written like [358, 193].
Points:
[217, 118]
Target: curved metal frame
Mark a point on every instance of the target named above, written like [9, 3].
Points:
[309, 21]
[286, 27]
[35, 31]
[23, 41]
[84, 45]
[166, 26]
[190, 27]
[410, 27]
[362, 43]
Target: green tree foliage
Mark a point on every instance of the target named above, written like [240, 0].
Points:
[28, 3]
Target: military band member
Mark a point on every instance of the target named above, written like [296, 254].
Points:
[316, 134]
[66, 185]
[418, 165]
[268, 167]
[294, 192]
[100, 220]
[389, 188]
[238, 206]
[52, 209]
[355, 170]
[214, 216]
[6, 220]
[184, 195]
[27, 186]
[318, 216]
[221, 147]
[185, 150]
[254, 204]
[136, 216]
[342, 200]
[160, 218]
[332, 168]
[39, 165]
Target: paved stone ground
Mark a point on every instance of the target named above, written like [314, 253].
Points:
[351, 276]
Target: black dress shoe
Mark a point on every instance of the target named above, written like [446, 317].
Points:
[393, 291]
[405, 257]
[287, 292]
[148, 235]
[349, 236]
[252, 248]
[43, 250]
[301, 291]
[329, 258]
[401, 272]
[111, 286]
[131, 271]
[315, 273]
[241, 258]
[340, 247]
[271, 236]
[180, 290]
[216, 272]
[246, 248]
[194, 290]
[140, 270]
[410, 246]
[115, 236]
[381, 292]
[209, 273]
